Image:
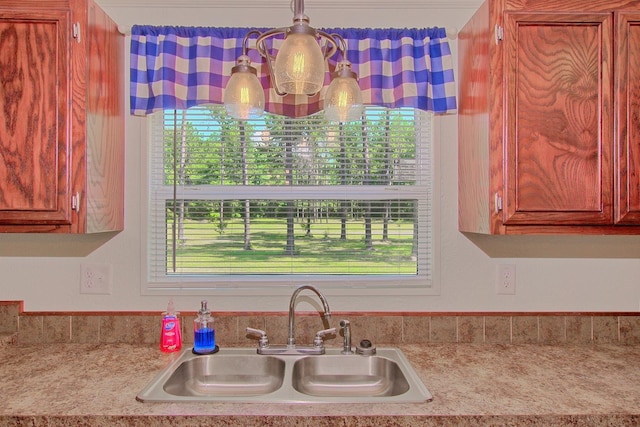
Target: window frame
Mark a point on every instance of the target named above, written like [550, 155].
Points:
[276, 285]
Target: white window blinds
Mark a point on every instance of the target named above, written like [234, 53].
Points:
[280, 200]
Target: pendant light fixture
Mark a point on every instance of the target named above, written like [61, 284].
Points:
[244, 97]
[343, 100]
[298, 68]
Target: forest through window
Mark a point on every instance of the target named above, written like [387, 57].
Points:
[290, 197]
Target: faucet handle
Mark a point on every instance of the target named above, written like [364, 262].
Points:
[264, 341]
[326, 332]
[256, 332]
[317, 341]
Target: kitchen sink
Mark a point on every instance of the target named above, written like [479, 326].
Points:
[226, 375]
[346, 375]
[241, 375]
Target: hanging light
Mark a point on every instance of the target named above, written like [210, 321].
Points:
[244, 97]
[343, 100]
[298, 68]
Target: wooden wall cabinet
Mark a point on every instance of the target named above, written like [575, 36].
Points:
[549, 118]
[62, 118]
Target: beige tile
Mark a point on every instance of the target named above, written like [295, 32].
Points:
[230, 330]
[605, 329]
[387, 330]
[579, 329]
[30, 330]
[277, 329]
[56, 329]
[524, 329]
[187, 330]
[85, 329]
[115, 329]
[630, 330]
[444, 329]
[226, 328]
[145, 329]
[552, 330]
[256, 322]
[415, 329]
[9, 318]
[379, 330]
[497, 329]
[471, 329]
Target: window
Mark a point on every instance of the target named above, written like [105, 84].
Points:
[280, 201]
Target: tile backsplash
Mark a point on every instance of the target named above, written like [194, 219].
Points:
[27, 328]
[9, 312]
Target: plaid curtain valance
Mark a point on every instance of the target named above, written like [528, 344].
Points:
[181, 67]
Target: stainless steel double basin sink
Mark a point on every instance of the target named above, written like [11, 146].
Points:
[241, 375]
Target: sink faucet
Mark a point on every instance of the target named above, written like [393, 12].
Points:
[291, 341]
[290, 348]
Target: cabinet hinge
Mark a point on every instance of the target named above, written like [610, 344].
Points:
[499, 33]
[76, 31]
[75, 202]
[497, 202]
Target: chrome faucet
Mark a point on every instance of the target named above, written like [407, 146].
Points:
[290, 348]
[291, 341]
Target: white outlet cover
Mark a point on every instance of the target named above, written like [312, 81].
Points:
[95, 279]
[506, 279]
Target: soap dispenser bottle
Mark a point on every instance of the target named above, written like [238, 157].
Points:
[170, 336]
[204, 340]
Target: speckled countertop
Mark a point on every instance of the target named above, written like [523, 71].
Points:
[472, 385]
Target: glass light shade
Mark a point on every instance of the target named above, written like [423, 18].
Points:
[343, 100]
[244, 97]
[299, 66]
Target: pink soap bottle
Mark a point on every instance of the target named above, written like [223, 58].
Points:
[170, 336]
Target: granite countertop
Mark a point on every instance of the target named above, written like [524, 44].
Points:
[74, 384]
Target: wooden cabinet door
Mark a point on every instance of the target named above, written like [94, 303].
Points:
[34, 122]
[558, 116]
[627, 92]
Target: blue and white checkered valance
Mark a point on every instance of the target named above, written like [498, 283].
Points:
[180, 67]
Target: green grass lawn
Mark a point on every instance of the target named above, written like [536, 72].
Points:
[203, 250]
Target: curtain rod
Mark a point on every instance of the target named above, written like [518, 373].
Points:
[452, 32]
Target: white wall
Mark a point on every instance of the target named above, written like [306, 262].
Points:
[553, 274]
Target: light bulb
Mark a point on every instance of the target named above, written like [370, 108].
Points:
[299, 66]
[244, 97]
[343, 100]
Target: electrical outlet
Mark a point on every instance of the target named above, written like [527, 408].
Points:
[506, 281]
[95, 279]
